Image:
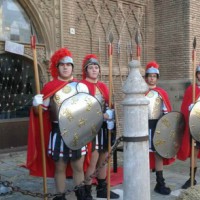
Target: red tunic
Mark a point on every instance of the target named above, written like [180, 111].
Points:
[185, 149]
[166, 100]
[34, 152]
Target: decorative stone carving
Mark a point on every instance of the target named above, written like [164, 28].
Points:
[46, 7]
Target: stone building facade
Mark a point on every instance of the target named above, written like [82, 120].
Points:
[167, 30]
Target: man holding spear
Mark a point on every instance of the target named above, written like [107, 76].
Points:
[185, 150]
[190, 147]
[99, 146]
[62, 86]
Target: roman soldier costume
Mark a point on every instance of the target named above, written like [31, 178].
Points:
[101, 92]
[158, 106]
[185, 149]
[55, 92]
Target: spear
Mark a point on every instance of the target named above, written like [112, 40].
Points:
[131, 50]
[127, 52]
[118, 58]
[138, 42]
[110, 50]
[37, 85]
[99, 49]
[193, 99]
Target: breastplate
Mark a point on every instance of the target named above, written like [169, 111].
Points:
[155, 105]
[101, 99]
[57, 99]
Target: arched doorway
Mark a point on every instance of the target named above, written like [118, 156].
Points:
[16, 75]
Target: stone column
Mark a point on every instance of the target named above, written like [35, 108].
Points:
[136, 148]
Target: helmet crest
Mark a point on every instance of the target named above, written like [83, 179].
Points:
[152, 68]
[62, 55]
[89, 59]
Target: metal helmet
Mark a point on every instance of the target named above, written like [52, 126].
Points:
[62, 55]
[152, 68]
[88, 60]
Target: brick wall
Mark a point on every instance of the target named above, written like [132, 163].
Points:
[167, 30]
[176, 25]
[172, 38]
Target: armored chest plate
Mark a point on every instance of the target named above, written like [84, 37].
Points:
[100, 98]
[64, 93]
[155, 105]
[57, 99]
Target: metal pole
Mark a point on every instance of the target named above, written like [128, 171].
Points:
[136, 148]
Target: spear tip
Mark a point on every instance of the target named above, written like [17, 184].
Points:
[31, 26]
[194, 43]
[138, 37]
[110, 38]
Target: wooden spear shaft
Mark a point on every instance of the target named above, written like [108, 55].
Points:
[138, 41]
[37, 85]
[138, 52]
[193, 99]
[110, 105]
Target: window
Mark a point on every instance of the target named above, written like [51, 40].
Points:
[16, 86]
[14, 23]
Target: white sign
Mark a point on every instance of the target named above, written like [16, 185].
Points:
[14, 47]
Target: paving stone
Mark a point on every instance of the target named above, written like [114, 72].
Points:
[175, 175]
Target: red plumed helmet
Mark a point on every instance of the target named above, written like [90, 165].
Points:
[62, 55]
[152, 68]
[88, 60]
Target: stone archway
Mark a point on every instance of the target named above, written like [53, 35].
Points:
[17, 81]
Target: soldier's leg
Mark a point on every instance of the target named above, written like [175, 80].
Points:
[90, 171]
[160, 186]
[78, 176]
[101, 178]
[92, 167]
[60, 178]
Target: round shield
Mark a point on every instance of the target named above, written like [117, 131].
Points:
[168, 134]
[194, 121]
[80, 119]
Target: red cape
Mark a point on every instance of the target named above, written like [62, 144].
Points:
[166, 100]
[100, 85]
[185, 149]
[34, 155]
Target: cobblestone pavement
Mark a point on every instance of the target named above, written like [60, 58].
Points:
[10, 170]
